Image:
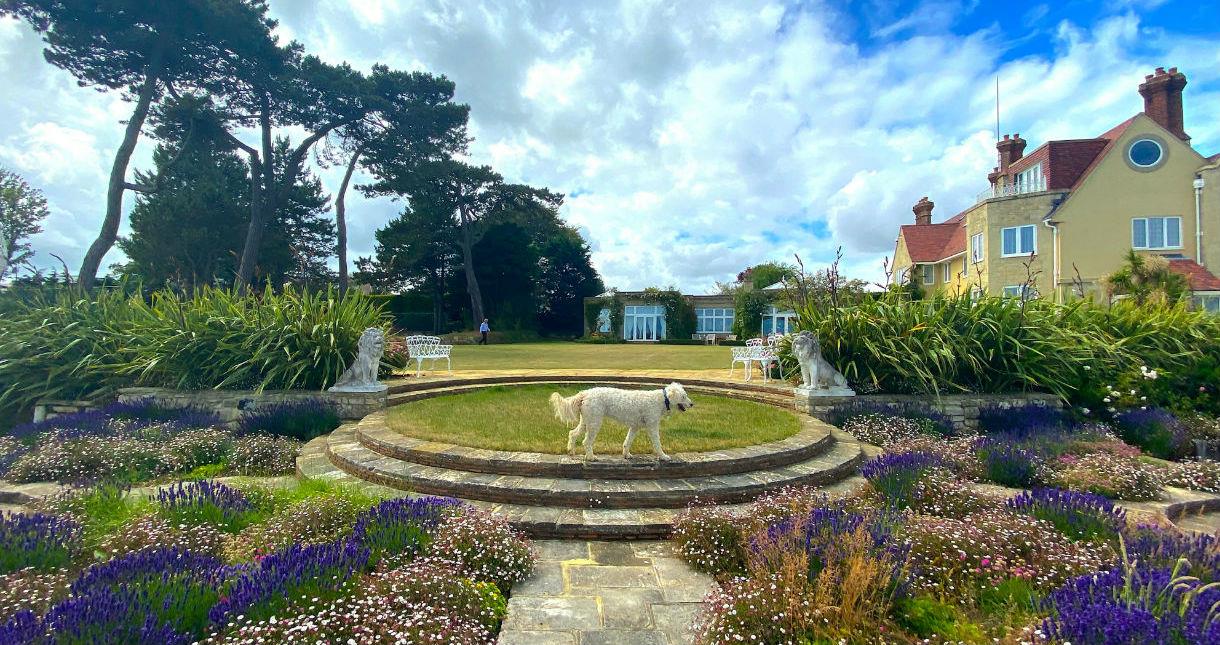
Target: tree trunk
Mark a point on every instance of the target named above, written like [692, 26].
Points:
[472, 283]
[262, 204]
[341, 220]
[118, 175]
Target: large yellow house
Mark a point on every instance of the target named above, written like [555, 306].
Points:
[1064, 216]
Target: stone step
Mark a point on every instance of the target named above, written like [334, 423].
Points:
[346, 452]
[408, 385]
[770, 398]
[542, 522]
[814, 438]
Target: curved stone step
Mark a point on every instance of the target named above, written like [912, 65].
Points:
[769, 398]
[349, 455]
[407, 385]
[812, 439]
[542, 522]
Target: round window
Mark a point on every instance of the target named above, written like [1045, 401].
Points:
[1145, 153]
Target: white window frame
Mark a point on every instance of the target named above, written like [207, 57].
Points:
[1016, 232]
[929, 274]
[1030, 180]
[948, 271]
[1146, 223]
[1208, 301]
[707, 317]
[1159, 158]
[976, 248]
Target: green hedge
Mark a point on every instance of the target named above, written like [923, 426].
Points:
[75, 346]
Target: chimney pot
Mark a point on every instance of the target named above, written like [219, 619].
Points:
[1160, 70]
[923, 211]
[1011, 148]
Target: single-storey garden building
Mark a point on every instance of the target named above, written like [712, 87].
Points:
[654, 315]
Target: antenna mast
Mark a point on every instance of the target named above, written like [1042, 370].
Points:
[997, 107]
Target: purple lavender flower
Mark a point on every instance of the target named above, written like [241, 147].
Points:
[895, 475]
[37, 540]
[206, 502]
[1153, 546]
[401, 526]
[110, 616]
[1155, 431]
[1007, 463]
[1082, 516]
[316, 571]
[1022, 421]
[301, 420]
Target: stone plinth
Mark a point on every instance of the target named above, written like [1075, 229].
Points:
[230, 404]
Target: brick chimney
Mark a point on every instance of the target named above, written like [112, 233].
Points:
[923, 210]
[1162, 92]
[1011, 149]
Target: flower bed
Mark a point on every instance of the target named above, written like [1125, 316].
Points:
[206, 562]
[141, 441]
[918, 557]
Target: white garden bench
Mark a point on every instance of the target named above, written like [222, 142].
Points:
[757, 350]
[428, 348]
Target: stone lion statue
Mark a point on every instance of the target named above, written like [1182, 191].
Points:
[361, 375]
[816, 373]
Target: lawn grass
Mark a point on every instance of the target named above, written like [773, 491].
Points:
[519, 418]
[565, 355]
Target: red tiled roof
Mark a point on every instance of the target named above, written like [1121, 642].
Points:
[1214, 158]
[1065, 163]
[1111, 136]
[1199, 277]
[934, 242]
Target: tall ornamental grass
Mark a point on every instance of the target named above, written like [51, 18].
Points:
[76, 346]
[948, 345]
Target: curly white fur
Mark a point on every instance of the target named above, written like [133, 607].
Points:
[636, 409]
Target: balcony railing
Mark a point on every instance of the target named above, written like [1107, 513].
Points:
[1011, 190]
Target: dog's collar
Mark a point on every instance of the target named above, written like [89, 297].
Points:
[666, 395]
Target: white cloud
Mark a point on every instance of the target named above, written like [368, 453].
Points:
[692, 139]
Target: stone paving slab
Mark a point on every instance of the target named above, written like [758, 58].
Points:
[605, 593]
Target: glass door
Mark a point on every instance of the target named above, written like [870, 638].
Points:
[643, 323]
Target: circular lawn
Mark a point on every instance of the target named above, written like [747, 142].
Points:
[519, 418]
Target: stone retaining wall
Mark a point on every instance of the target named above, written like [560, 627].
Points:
[962, 409]
[230, 404]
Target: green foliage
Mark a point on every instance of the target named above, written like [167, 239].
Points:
[761, 276]
[1147, 279]
[79, 346]
[927, 617]
[22, 209]
[954, 344]
[680, 320]
[749, 305]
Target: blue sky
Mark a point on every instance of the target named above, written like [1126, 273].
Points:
[694, 138]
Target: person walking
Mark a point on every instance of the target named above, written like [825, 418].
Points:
[483, 329]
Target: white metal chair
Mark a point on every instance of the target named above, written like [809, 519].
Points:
[428, 348]
[743, 355]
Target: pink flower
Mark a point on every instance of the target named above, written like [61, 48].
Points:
[985, 562]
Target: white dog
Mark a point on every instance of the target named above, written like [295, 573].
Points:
[636, 409]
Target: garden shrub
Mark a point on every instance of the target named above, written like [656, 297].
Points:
[37, 540]
[1155, 431]
[264, 456]
[953, 559]
[315, 520]
[1201, 474]
[921, 418]
[153, 532]
[894, 475]
[710, 540]
[422, 603]
[1135, 605]
[397, 530]
[941, 494]
[1082, 516]
[78, 346]
[32, 590]
[105, 616]
[320, 571]
[206, 502]
[482, 546]
[1008, 464]
[1110, 476]
[1022, 421]
[300, 420]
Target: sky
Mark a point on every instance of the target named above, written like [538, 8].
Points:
[692, 138]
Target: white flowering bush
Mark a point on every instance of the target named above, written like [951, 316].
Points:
[1108, 474]
[1202, 474]
[264, 455]
[482, 546]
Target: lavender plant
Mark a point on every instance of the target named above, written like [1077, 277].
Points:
[397, 530]
[894, 475]
[1156, 431]
[300, 420]
[37, 540]
[1082, 516]
[1022, 421]
[1006, 463]
[206, 502]
[318, 572]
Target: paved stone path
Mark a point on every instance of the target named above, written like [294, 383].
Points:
[595, 593]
